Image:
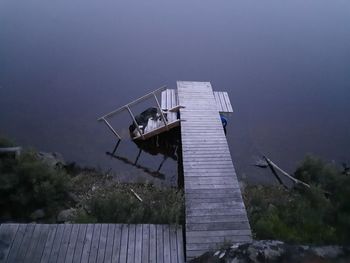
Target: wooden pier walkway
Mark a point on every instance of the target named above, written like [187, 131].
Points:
[90, 243]
[215, 212]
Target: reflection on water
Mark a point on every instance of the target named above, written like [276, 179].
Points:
[285, 65]
[167, 144]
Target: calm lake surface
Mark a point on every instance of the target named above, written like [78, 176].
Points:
[285, 64]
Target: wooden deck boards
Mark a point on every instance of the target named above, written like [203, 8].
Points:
[90, 243]
[215, 210]
[169, 99]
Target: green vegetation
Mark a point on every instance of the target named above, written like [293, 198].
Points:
[118, 204]
[319, 215]
[4, 142]
[27, 184]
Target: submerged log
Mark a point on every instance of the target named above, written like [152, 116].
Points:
[295, 180]
[267, 163]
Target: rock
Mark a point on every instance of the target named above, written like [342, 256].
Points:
[38, 214]
[328, 251]
[274, 251]
[222, 254]
[53, 159]
[66, 215]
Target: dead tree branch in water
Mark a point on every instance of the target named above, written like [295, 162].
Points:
[295, 180]
[275, 168]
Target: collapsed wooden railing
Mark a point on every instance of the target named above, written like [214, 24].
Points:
[128, 108]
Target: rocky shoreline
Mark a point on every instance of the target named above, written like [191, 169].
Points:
[273, 251]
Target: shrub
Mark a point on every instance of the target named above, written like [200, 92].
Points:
[4, 142]
[120, 205]
[27, 184]
[318, 215]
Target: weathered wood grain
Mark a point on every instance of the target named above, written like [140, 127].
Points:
[153, 243]
[109, 243]
[166, 242]
[213, 198]
[160, 244]
[117, 243]
[91, 243]
[131, 243]
[49, 243]
[124, 244]
[138, 244]
[21, 255]
[72, 243]
[64, 243]
[87, 243]
[102, 243]
[145, 243]
[79, 243]
[44, 234]
[7, 237]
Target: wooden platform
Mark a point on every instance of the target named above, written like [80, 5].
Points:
[90, 243]
[215, 212]
[222, 100]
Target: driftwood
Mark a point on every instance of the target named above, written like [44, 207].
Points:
[275, 168]
[16, 150]
[296, 181]
[272, 168]
[136, 195]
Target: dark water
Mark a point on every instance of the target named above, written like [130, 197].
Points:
[285, 64]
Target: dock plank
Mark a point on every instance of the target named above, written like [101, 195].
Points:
[173, 244]
[212, 193]
[39, 250]
[123, 256]
[7, 237]
[109, 243]
[153, 243]
[72, 243]
[33, 243]
[138, 244]
[87, 243]
[94, 243]
[102, 243]
[166, 242]
[116, 243]
[64, 243]
[180, 245]
[16, 243]
[49, 243]
[91, 243]
[131, 243]
[160, 244]
[145, 243]
[21, 255]
[80, 243]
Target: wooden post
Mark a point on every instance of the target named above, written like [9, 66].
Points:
[138, 156]
[161, 112]
[111, 128]
[116, 147]
[134, 120]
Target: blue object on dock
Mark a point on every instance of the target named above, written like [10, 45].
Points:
[223, 121]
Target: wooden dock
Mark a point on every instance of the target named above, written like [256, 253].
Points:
[215, 211]
[90, 243]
